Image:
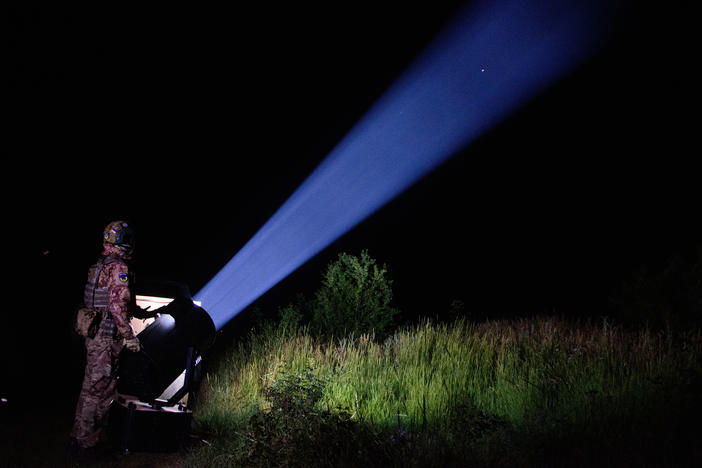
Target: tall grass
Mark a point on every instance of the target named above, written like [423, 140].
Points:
[541, 390]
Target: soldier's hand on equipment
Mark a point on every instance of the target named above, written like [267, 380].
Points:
[143, 313]
[133, 344]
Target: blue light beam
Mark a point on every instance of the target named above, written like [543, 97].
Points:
[493, 59]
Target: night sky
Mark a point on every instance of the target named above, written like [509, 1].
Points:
[196, 124]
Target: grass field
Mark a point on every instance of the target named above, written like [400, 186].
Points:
[525, 392]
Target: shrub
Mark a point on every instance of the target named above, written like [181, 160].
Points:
[290, 319]
[295, 431]
[283, 432]
[354, 298]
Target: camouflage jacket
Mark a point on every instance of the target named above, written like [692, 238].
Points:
[111, 294]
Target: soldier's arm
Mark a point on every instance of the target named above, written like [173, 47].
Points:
[120, 298]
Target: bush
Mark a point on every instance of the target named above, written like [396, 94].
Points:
[290, 319]
[354, 298]
[283, 432]
[295, 431]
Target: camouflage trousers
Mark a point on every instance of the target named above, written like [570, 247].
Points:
[98, 391]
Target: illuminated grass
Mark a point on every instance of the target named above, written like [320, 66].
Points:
[528, 384]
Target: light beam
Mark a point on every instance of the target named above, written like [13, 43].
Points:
[491, 60]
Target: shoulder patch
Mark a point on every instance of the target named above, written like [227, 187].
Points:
[123, 277]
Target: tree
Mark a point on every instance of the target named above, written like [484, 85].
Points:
[354, 298]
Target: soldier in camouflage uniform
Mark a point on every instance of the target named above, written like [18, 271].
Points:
[108, 291]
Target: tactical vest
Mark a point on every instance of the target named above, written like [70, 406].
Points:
[98, 299]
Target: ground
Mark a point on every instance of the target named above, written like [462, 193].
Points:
[37, 436]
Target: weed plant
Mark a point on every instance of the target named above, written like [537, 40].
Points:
[525, 392]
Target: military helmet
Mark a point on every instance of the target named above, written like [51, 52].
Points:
[120, 234]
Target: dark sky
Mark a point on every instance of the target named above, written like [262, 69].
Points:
[196, 123]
